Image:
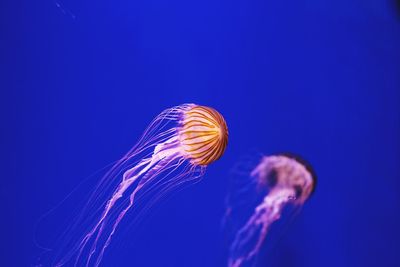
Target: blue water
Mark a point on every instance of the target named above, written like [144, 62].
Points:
[82, 79]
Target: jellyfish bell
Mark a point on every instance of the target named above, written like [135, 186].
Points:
[203, 135]
[286, 174]
[288, 180]
[174, 150]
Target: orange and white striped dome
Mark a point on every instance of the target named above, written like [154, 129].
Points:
[203, 135]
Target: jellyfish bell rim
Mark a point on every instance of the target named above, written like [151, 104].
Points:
[303, 162]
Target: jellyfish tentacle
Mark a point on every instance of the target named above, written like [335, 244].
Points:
[257, 228]
[128, 179]
[144, 142]
[118, 193]
[154, 172]
[161, 152]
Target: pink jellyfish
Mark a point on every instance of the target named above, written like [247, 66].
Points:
[288, 180]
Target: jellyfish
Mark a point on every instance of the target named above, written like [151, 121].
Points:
[283, 180]
[175, 149]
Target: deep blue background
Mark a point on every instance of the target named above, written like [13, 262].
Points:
[80, 81]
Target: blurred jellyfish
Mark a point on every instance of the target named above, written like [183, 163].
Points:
[175, 149]
[283, 180]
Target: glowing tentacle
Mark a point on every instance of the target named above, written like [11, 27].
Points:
[154, 172]
[264, 216]
[163, 154]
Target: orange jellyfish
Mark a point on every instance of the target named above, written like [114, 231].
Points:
[283, 180]
[174, 150]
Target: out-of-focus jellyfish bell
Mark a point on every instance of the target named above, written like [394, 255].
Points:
[287, 176]
[287, 180]
[175, 149]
